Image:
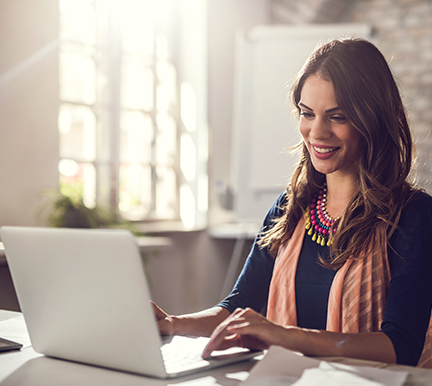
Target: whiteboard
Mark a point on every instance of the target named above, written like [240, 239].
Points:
[266, 62]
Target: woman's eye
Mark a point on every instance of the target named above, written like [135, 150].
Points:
[338, 118]
[306, 114]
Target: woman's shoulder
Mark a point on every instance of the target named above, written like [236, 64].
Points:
[282, 199]
[278, 207]
[415, 221]
[281, 202]
[418, 200]
[415, 216]
[411, 238]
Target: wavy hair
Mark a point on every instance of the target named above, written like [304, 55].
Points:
[367, 93]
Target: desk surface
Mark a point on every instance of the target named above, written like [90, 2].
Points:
[26, 367]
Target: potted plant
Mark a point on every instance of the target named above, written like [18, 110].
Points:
[68, 210]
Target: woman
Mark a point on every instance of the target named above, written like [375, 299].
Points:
[341, 266]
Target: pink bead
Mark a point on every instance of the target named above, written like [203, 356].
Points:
[316, 227]
[324, 232]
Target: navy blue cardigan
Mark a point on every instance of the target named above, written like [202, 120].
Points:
[409, 302]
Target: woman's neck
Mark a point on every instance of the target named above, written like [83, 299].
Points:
[340, 191]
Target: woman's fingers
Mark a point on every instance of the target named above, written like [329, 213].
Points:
[159, 313]
[164, 321]
[237, 330]
[220, 339]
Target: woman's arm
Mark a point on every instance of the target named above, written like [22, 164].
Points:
[197, 324]
[246, 328]
[408, 306]
[250, 290]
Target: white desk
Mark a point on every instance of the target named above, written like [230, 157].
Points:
[26, 367]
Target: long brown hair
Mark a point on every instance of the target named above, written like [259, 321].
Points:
[368, 95]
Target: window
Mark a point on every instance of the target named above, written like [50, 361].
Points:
[120, 118]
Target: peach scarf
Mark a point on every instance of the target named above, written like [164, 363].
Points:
[357, 296]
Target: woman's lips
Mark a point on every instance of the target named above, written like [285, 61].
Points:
[324, 152]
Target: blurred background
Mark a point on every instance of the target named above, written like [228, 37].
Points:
[149, 111]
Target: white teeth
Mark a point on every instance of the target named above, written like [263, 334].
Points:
[322, 150]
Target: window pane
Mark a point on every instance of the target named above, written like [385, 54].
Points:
[78, 181]
[166, 140]
[135, 189]
[77, 21]
[188, 159]
[166, 193]
[136, 137]
[137, 31]
[77, 126]
[117, 57]
[77, 78]
[137, 85]
[162, 47]
[188, 106]
[166, 90]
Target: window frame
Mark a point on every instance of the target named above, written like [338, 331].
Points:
[107, 111]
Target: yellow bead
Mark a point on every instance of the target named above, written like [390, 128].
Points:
[308, 225]
[310, 232]
[319, 239]
[322, 242]
[314, 237]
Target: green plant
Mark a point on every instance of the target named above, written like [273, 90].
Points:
[66, 209]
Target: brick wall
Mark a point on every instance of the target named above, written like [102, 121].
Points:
[403, 32]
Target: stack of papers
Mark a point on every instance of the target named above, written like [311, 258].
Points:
[283, 367]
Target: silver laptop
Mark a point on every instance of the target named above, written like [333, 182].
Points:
[85, 298]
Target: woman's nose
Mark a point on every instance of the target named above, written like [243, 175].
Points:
[320, 129]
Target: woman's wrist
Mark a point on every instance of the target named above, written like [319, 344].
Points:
[179, 324]
[293, 338]
[200, 323]
[311, 342]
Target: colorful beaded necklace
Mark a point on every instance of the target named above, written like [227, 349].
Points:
[318, 222]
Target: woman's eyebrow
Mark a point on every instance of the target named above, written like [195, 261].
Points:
[332, 109]
[300, 104]
[327, 111]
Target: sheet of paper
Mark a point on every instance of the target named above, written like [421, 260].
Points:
[283, 367]
[335, 374]
[15, 329]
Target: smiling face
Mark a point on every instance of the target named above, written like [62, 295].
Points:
[333, 143]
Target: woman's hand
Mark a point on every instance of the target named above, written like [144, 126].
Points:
[244, 328]
[164, 321]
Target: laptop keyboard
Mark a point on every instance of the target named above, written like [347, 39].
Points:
[178, 356]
